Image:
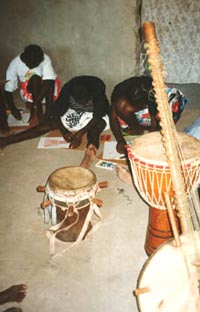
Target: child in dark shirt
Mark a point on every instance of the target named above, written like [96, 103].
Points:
[82, 107]
[134, 109]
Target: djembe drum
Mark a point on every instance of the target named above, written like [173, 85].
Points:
[70, 203]
[170, 277]
[152, 178]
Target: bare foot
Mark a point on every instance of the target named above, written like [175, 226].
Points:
[33, 122]
[14, 293]
[124, 175]
[68, 136]
[13, 310]
[33, 118]
[90, 155]
[16, 113]
[3, 143]
[76, 140]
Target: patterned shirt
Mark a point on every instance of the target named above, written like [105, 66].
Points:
[98, 103]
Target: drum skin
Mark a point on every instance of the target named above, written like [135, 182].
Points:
[168, 280]
[150, 169]
[71, 179]
[152, 178]
[70, 190]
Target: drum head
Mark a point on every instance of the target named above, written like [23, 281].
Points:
[170, 277]
[151, 170]
[150, 147]
[71, 179]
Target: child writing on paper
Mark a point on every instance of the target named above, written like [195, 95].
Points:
[82, 106]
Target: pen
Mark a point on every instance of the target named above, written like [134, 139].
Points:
[23, 121]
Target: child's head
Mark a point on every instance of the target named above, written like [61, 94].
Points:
[32, 55]
[80, 93]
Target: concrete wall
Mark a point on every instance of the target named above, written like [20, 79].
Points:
[94, 37]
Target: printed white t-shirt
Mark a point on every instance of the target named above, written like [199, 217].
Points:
[18, 72]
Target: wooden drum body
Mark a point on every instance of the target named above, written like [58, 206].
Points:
[70, 203]
[152, 178]
[69, 189]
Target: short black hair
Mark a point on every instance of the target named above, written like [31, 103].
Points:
[32, 55]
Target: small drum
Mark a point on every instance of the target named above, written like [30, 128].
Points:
[168, 280]
[152, 178]
[70, 203]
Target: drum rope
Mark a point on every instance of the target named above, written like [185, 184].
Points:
[53, 240]
[169, 139]
[169, 135]
[71, 201]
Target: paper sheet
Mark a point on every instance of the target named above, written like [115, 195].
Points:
[110, 152]
[12, 122]
[52, 142]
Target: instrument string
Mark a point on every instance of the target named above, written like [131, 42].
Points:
[192, 208]
[171, 145]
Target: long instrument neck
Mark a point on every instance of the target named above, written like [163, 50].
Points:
[168, 128]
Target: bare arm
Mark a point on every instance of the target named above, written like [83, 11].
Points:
[154, 123]
[10, 102]
[67, 135]
[116, 129]
[47, 85]
[76, 139]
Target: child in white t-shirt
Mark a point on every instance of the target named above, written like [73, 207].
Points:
[32, 72]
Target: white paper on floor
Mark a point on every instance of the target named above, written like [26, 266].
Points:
[52, 142]
[110, 151]
[12, 122]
